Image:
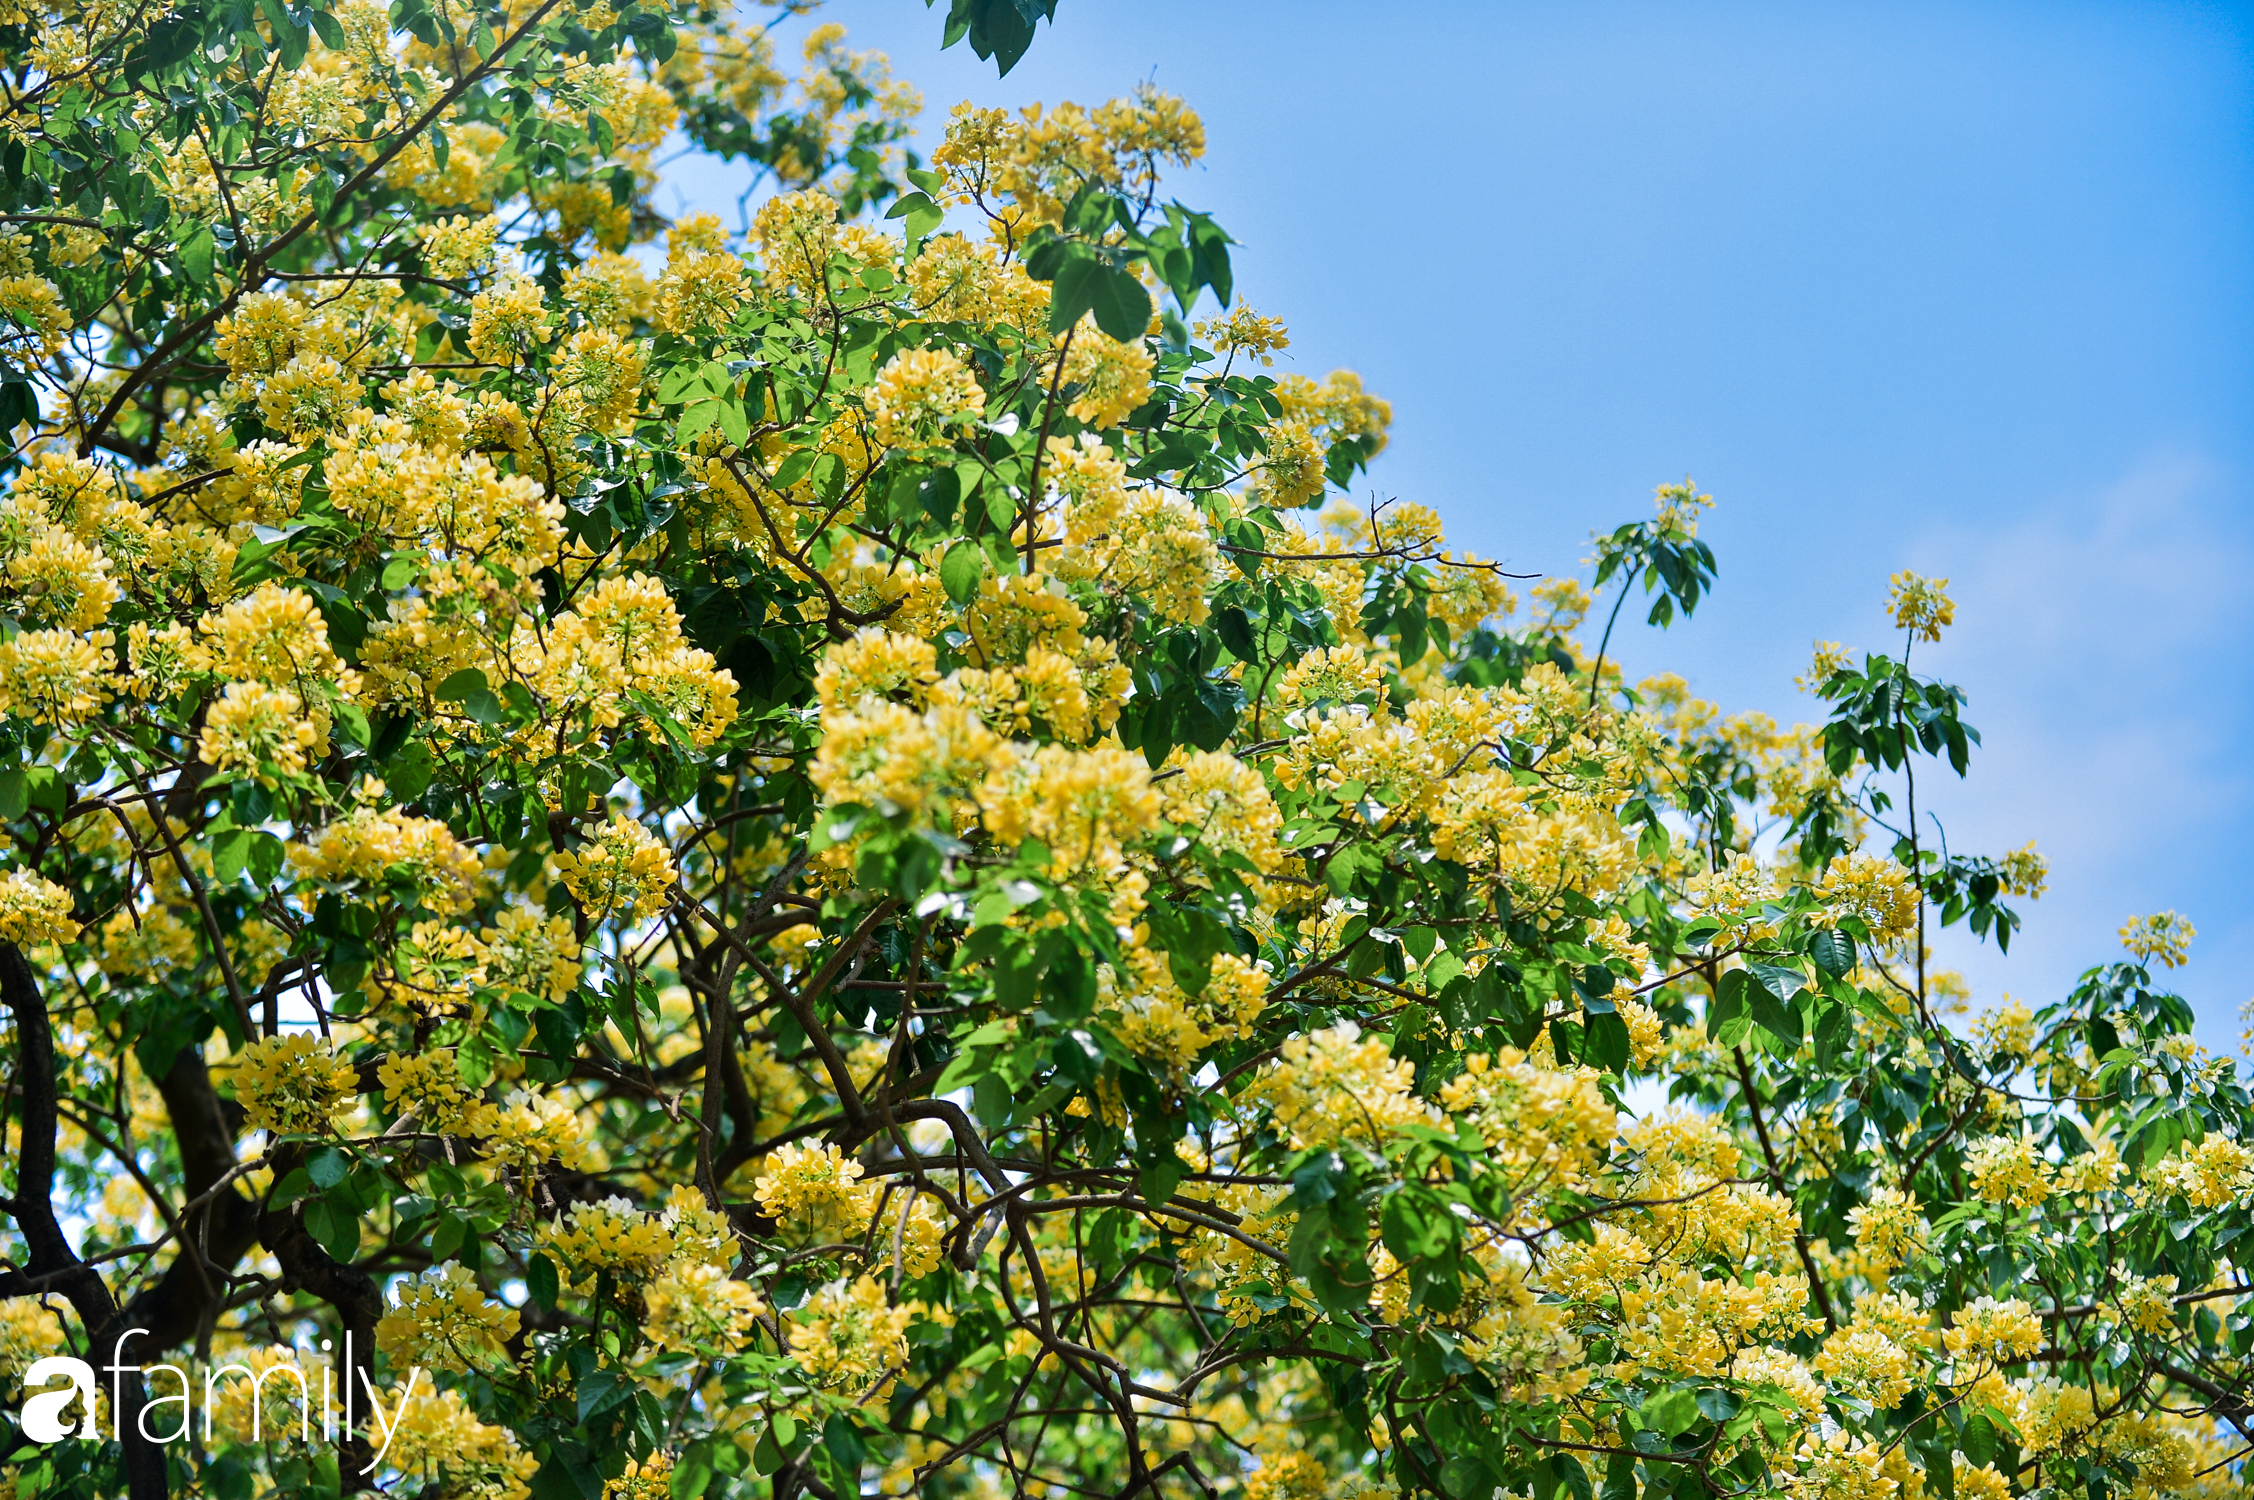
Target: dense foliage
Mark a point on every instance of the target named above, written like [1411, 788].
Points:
[816, 856]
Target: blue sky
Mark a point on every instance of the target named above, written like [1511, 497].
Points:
[1964, 288]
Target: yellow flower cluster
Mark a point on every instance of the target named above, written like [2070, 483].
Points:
[920, 393]
[625, 869]
[816, 1194]
[1875, 891]
[2162, 938]
[2216, 1171]
[371, 849]
[1888, 1228]
[2006, 1169]
[1338, 1087]
[648, 1478]
[848, 1338]
[33, 909]
[1921, 605]
[444, 1443]
[444, 1321]
[426, 1087]
[1994, 1332]
[1547, 1126]
[1110, 379]
[292, 1083]
[611, 1236]
[694, 1307]
[528, 1130]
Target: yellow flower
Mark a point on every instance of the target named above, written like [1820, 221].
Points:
[275, 635]
[1829, 660]
[528, 1130]
[293, 1083]
[1978, 1483]
[458, 246]
[919, 394]
[2209, 1175]
[32, 308]
[56, 677]
[256, 731]
[700, 1234]
[1333, 1087]
[33, 909]
[796, 234]
[1995, 1332]
[523, 953]
[2005, 1169]
[644, 1479]
[2163, 938]
[695, 1307]
[445, 1445]
[1861, 1361]
[1921, 605]
[1679, 507]
[1331, 674]
[1877, 891]
[1888, 1229]
[442, 1321]
[2025, 872]
[1111, 378]
[846, 1338]
[1243, 331]
[309, 397]
[508, 322]
[609, 1236]
[625, 869]
[1287, 1476]
[815, 1194]
[371, 848]
[426, 1087]
[2147, 1304]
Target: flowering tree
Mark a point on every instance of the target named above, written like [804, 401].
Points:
[815, 857]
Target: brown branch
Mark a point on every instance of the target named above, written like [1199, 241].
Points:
[50, 1256]
[1776, 1176]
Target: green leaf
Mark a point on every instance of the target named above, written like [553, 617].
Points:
[540, 1280]
[695, 419]
[735, 422]
[843, 1440]
[1779, 981]
[922, 214]
[1122, 305]
[458, 686]
[685, 382]
[195, 255]
[335, 1230]
[229, 853]
[1672, 1413]
[327, 1167]
[1072, 291]
[601, 1390]
[793, 467]
[1833, 952]
[961, 569]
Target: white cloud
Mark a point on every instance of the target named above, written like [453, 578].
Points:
[2104, 645]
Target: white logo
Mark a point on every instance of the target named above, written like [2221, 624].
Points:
[43, 1420]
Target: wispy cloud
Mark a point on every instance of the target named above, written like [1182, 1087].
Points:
[2105, 643]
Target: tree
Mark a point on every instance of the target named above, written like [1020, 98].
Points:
[839, 864]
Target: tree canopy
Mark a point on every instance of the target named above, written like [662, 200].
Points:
[844, 853]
